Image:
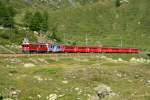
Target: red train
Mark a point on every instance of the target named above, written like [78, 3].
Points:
[47, 48]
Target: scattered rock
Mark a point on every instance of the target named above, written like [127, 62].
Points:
[103, 57]
[61, 95]
[138, 76]
[12, 67]
[15, 61]
[74, 77]
[148, 82]
[81, 60]
[14, 93]
[133, 59]
[139, 60]
[33, 60]
[115, 61]
[35, 32]
[52, 97]
[30, 97]
[79, 92]
[130, 81]
[23, 75]
[139, 22]
[148, 61]
[38, 78]
[141, 80]
[77, 89]
[50, 79]
[119, 75]
[27, 65]
[45, 79]
[42, 60]
[111, 59]
[1, 28]
[93, 97]
[65, 81]
[121, 1]
[120, 60]
[39, 96]
[7, 99]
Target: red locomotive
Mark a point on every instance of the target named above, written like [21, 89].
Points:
[47, 48]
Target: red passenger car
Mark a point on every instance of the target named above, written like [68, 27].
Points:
[86, 49]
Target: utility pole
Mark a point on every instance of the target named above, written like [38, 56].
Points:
[64, 38]
[86, 39]
[11, 32]
[121, 42]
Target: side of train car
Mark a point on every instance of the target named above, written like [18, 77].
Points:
[47, 48]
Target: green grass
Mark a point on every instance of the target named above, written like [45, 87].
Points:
[48, 71]
[104, 25]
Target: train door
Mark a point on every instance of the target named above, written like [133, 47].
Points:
[54, 48]
[50, 48]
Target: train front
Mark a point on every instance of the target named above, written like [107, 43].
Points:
[25, 48]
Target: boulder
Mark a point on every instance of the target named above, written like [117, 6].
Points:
[52, 97]
[104, 91]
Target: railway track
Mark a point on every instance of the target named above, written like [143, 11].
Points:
[52, 54]
[59, 54]
[26, 55]
[18, 55]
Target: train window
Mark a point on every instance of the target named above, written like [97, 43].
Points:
[93, 48]
[43, 46]
[69, 47]
[40, 46]
[25, 45]
[34, 46]
[58, 47]
[82, 48]
[52, 46]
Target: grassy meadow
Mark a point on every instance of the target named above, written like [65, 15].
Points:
[76, 76]
[73, 77]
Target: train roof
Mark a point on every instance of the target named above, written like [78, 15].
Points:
[76, 45]
[36, 43]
